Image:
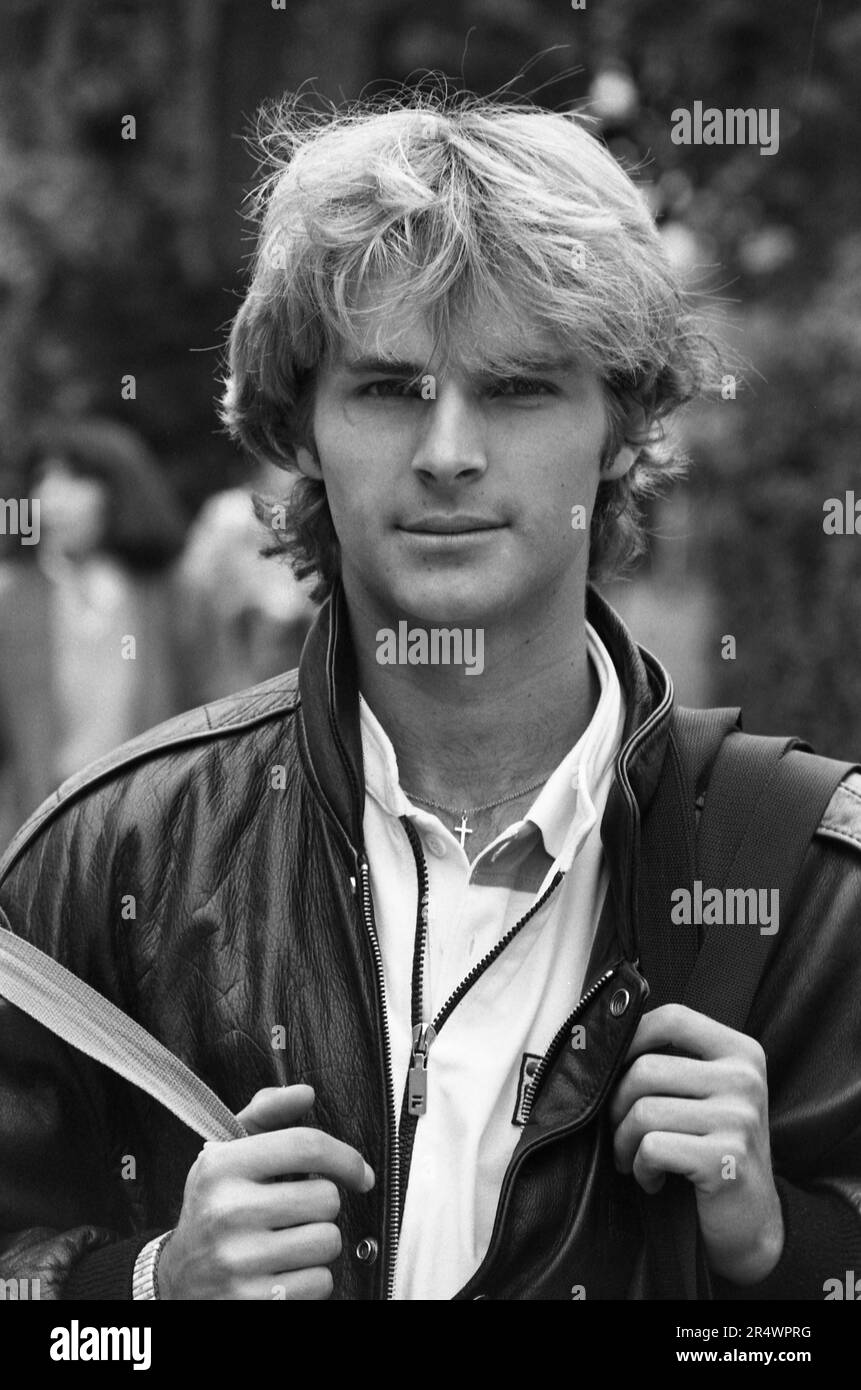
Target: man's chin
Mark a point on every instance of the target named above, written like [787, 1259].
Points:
[456, 601]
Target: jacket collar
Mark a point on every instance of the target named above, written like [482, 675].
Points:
[649, 706]
[328, 687]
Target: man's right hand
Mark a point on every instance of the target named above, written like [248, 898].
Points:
[254, 1224]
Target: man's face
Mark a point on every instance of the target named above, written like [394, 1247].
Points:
[452, 485]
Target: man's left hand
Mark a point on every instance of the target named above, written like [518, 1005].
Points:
[706, 1117]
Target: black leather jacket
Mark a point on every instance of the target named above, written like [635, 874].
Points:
[210, 878]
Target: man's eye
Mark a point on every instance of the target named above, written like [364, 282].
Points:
[521, 386]
[390, 386]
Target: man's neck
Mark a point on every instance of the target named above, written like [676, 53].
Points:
[466, 740]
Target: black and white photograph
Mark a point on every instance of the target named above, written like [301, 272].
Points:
[430, 669]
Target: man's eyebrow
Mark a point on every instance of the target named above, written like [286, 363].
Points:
[511, 367]
[522, 366]
[385, 366]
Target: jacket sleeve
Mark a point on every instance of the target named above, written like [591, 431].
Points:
[822, 1242]
[67, 1218]
[808, 1020]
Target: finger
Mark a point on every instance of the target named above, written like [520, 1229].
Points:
[675, 1025]
[654, 1074]
[283, 1152]
[274, 1206]
[657, 1114]
[276, 1107]
[251, 1255]
[693, 1157]
[300, 1247]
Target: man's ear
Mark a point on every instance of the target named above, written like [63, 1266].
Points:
[634, 426]
[620, 465]
[308, 463]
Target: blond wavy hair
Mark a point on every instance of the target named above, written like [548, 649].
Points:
[455, 203]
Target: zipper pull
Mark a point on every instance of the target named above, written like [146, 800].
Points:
[417, 1081]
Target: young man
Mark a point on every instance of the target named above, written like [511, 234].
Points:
[404, 884]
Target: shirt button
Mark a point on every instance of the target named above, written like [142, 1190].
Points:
[436, 846]
[367, 1250]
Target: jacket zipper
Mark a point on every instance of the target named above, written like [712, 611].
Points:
[565, 1028]
[392, 1215]
[529, 1100]
[622, 763]
[367, 909]
[415, 1092]
[479, 968]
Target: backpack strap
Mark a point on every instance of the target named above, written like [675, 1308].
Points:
[765, 800]
[666, 956]
[668, 845]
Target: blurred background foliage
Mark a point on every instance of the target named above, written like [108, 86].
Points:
[120, 256]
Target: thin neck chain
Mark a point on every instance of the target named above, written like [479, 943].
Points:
[474, 810]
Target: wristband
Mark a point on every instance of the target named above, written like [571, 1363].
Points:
[145, 1277]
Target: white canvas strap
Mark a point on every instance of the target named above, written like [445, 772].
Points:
[38, 985]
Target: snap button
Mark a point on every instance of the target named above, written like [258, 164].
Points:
[367, 1250]
[619, 1003]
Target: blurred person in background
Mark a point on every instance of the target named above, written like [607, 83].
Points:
[243, 619]
[87, 654]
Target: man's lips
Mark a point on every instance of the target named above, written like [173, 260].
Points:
[450, 525]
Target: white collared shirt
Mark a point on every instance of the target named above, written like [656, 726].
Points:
[476, 1065]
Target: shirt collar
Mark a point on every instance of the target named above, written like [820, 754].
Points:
[565, 808]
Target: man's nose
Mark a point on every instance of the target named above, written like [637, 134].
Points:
[451, 446]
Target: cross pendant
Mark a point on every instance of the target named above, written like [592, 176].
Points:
[462, 831]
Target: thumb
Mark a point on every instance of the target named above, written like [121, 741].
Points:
[276, 1107]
